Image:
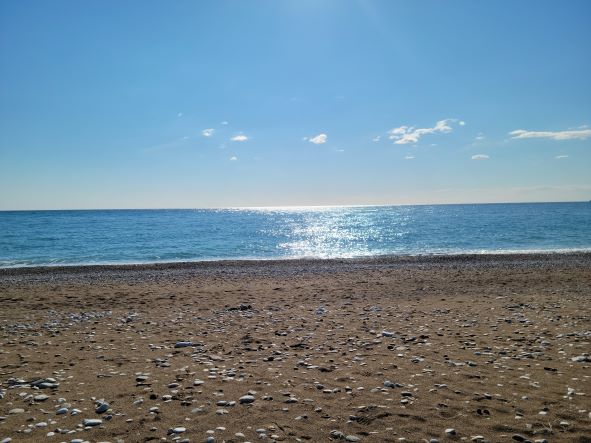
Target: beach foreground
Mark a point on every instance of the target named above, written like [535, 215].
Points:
[465, 348]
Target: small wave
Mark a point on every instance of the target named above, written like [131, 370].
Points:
[19, 264]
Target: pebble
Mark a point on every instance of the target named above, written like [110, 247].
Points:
[16, 411]
[450, 431]
[102, 407]
[92, 422]
[183, 344]
[41, 397]
[337, 434]
[246, 399]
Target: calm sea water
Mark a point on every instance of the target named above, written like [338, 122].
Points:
[29, 238]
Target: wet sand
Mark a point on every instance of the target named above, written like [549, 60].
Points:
[489, 348]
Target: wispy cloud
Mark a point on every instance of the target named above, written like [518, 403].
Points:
[376, 139]
[552, 135]
[207, 132]
[409, 157]
[239, 138]
[561, 157]
[224, 123]
[180, 114]
[480, 157]
[479, 137]
[318, 139]
[409, 134]
[233, 158]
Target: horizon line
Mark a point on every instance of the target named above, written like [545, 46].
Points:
[292, 207]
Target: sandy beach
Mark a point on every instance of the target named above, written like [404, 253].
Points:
[451, 348]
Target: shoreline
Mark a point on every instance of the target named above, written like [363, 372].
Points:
[384, 260]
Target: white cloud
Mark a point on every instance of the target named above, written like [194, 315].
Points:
[180, 114]
[233, 158]
[239, 138]
[376, 139]
[409, 157]
[553, 135]
[480, 136]
[208, 132]
[480, 157]
[224, 123]
[409, 134]
[462, 123]
[318, 139]
[561, 157]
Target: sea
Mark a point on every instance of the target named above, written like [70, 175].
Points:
[84, 237]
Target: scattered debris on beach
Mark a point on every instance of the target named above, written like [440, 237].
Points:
[388, 354]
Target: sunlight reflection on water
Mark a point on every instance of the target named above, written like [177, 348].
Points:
[339, 233]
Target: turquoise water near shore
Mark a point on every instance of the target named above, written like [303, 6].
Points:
[35, 238]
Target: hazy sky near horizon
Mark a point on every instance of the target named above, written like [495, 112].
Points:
[151, 104]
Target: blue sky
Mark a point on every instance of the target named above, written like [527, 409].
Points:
[152, 104]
